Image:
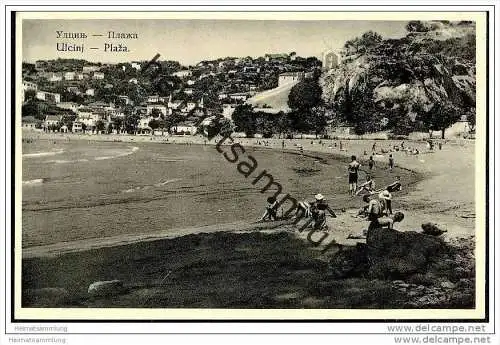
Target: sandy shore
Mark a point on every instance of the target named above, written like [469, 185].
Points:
[265, 265]
[445, 196]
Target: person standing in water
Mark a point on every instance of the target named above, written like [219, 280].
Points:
[371, 163]
[353, 175]
[391, 162]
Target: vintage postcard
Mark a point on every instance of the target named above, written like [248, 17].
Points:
[250, 165]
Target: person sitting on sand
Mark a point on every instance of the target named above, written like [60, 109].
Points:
[374, 209]
[367, 187]
[363, 212]
[395, 186]
[271, 209]
[319, 216]
[388, 222]
[306, 209]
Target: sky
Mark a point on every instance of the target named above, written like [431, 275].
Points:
[190, 41]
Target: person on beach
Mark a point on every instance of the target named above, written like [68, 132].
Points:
[395, 186]
[374, 147]
[368, 187]
[374, 209]
[271, 210]
[386, 202]
[353, 175]
[388, 221]
[306, 209]
[363, 212]
[391, 162]
[371, 163]
[319, 217]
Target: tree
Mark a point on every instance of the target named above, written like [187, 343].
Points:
[154, 124]
[131, 122]
[416, 26]
[362, 44]
[171, 121]
[156, 113]
[225, 127]
[117, 123]
[441, 116]
[318, 120]
[31, 108]
[244, 119]
[29, 95]
[68, 119]
[100, 125]
[471, 119]
[305, 95]
[282, 123]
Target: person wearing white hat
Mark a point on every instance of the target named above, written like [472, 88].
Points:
[309, 209]
[386, 199]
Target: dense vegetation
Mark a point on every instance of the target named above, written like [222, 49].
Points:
[423, 81]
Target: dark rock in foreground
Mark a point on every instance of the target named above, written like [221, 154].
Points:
[394, 254]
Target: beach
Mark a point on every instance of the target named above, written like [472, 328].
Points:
[444, 195]
[437, 195]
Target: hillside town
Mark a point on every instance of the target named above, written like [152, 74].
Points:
[393, 87]
[136, 98]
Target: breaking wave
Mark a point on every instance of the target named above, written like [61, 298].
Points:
[42, 154]
[134, 149]
[34, 182]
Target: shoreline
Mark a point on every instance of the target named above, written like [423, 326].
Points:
[415, 204]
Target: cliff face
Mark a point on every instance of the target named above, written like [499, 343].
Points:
[433, 65]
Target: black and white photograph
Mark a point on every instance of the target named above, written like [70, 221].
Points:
[310, 166]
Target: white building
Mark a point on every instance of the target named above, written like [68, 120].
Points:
[54, 77]
[69, 106]
[290, 77]
[151, 107]
[126, 99]
[330, 59]
[90, 92]
[69, 75]
[98, 75]
[77, 127]
[51, 120]
[90, 69]
[185, 128]
[153, 99]
[136, 65]
[48, 96]
[183, 74]
[239, 96]
[90, 117]
[28, 85]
